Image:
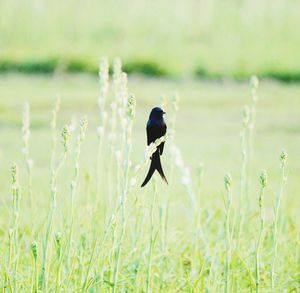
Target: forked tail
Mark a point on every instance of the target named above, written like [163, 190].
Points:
[155, 165]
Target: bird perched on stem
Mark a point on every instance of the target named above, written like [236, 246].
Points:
[156, 128]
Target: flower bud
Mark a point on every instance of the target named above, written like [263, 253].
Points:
[227, 181]
[263, 178]
[65, 137]
[34, 248]
[283, 156]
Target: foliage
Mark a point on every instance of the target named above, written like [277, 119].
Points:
[77, 220]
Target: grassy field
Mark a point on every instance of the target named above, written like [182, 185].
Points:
[208, 38]
[91, 227]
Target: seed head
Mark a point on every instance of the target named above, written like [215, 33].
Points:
[57, 241]
[65, 137]
[34, 249]
[131, 106]
[15, 182]
[14, 173]
[57, 238]
[283, 157]
[83, 127]
[227, 181]
[263, 178]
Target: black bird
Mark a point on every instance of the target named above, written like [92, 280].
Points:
[156, 128]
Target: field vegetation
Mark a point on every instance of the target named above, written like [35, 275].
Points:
[73, 155]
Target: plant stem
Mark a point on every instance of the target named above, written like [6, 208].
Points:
[259, 241]
[53, 194]
[127, 149]
[227, 231]
[152, 240]
[74, 183]
[276, 220]
[16, 210]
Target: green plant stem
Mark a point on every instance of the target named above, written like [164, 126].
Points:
[275, 226]
[89, 266]
[16, 211]
[123, 208]
[53, 194]
[151, 240]
[35, 286]
[228, 240]
[243, 179]
[259, 241]
[74, 185]
[57, 278]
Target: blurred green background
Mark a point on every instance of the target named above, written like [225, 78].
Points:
[212, 39]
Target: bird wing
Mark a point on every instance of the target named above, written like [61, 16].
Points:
[155, 131]
[161, 147]
[152, 132]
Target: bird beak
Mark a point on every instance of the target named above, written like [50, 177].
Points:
[164, 112]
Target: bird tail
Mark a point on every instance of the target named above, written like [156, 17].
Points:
[155, 165]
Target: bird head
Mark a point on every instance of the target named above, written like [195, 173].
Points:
[157, 113]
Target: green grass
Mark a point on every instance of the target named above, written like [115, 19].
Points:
[232, 39]
[172, 243]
